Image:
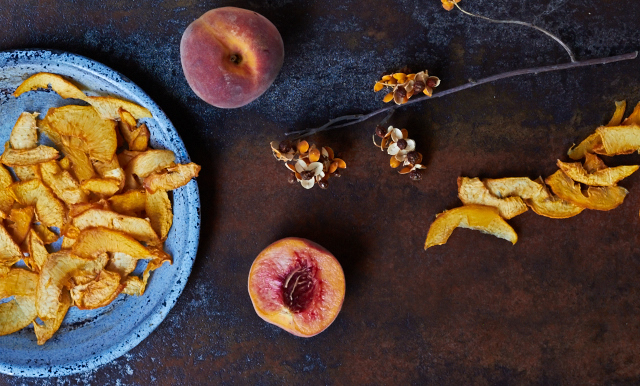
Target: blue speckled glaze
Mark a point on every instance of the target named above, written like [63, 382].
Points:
[88, 339]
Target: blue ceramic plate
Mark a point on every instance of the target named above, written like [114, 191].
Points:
[88, 339]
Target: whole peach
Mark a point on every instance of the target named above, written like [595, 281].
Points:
[230, 56]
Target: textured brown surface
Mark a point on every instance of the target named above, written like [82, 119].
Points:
[561, 306]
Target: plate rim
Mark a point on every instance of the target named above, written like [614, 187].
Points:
[191, 191]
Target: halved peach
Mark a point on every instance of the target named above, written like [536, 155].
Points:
[297, 285]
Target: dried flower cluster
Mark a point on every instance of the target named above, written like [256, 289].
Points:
[401, 149]
[404, 86]
[307, 163]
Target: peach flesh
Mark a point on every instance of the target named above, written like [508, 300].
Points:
[230, 56]
[297, 285]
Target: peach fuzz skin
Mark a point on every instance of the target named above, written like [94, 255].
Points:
[230, 56]
[266, 278]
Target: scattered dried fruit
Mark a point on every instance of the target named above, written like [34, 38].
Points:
[478, 217]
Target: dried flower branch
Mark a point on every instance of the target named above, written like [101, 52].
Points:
[449, 4]
[307, 163]
[349, 120]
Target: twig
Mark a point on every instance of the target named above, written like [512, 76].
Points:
[357, 118]
[544, 31]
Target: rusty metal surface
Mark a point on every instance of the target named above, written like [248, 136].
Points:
[561, 306]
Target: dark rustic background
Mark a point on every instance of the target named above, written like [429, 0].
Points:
[561, 306]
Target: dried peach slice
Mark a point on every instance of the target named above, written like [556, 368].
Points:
[596, 198]
[56, 273]
[297, 285]
[19, 223]
[24, 134]
[173, 178]
[82, 128]
[26, 157]
[109, 107]
[473, 191]
[98, 292]
[158, 209]
[139, 228]
[50, 210]
[130, 203]
[602, 177]
[478, 217]
[616, 119]
[43, 80]
[98, 240]
[535, 194]
[586, 146]
[20, 311]
[49, 326]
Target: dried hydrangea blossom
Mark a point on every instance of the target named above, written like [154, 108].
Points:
[401, 149]
[308, 164]
[404, 86]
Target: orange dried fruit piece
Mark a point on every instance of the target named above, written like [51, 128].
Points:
[137, 137]
[19, 223]
[133, 286]
[45, 234]
[486, 219]
[616, 119]
[26, 157]
[535, 194]
[378, 86]
[10, 252]
[593, 163]
[98, 240]
[146, 163]
[633, 118]
[122, 263]
[50, 210]
[6, 198]
[62, 183]
[138, 228]
[172, 178]
[49, 326]
[131, 202]
[596, 198]
[393, 162]
[98, 292]
[158, 209]
[56, 274]
[109, 107]
[101, 186]
[388, 98]
[473, 191]
[602, 177]
[44, 80]
[577, 152]
[19, 312]
[110, 169]
[82, 128]
[26, 173]
[24, 134]
[38, 253]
